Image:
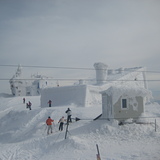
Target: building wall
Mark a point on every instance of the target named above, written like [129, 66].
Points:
[18, 89]
[134, 110]
[64, 96]
[107, 108]
[93, 97]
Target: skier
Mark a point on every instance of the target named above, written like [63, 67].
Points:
[49, 124]
[29, 105]
[24, 100]
[69, 114]
[61, 121]
[50, 103]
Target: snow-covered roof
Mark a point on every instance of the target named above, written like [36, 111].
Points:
[121, 90]
[128, 91]
[121, 72]
[117, 76]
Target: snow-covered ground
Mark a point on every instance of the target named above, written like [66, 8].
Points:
[23, 134]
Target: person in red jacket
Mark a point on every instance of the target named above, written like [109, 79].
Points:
[49, 124]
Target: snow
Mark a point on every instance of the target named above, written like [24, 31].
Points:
[23, 133]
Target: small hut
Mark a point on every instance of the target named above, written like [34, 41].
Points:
[123, 102]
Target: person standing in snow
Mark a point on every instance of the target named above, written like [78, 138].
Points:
[29, 105]
[49, 124]
[24, 100]
[69, 114]
[50, 103]
[61, 121]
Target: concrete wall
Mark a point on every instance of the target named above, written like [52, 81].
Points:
[134, 110]
[64, 95]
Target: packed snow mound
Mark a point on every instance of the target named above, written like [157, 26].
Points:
[23, 134]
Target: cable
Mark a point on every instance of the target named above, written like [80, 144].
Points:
[73, 68]
[47, 67]
[70, 79]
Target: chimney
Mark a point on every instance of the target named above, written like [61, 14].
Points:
[101, 72]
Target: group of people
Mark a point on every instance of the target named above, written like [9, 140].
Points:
[61, 121]
[28, 105]
[50, 121]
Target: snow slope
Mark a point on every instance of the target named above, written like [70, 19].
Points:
[23, 134]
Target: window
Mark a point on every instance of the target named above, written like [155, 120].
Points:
[124, 103]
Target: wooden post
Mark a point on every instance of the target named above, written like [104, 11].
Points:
[98, 155]
[67, 128]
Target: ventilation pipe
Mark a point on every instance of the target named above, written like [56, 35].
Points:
[101, 72]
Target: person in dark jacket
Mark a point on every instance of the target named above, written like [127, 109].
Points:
[24, 100]
[29, 105]
[69, 114]
[50, 103]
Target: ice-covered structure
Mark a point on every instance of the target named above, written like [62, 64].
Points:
[31, 87]
[122, 102]
[101, 75]
[88, 94]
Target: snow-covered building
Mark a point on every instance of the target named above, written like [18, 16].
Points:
[88, 94]
[123, 102]
[31, 87]
[17, 84]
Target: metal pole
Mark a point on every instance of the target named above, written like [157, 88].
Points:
[67, 128]
[97, 148]
[98, 155]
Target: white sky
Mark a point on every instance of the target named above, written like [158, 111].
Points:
[78, 33]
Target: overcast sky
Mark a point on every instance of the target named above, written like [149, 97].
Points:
[78, 33]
